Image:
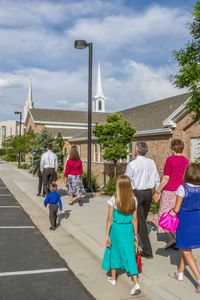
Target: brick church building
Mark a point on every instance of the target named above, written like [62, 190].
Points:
[157, 123]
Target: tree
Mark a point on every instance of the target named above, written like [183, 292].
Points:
[41, 141]
[18, 144]
[58, 148]
[114, 136]
[189, 65]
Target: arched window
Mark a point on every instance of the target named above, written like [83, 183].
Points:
[100, 105]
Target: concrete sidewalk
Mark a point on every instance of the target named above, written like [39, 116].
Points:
[86, 225]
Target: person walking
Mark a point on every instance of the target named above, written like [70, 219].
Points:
[54, 201]
[188, 209]
[36, 171]
[73, 175]
[48, 167]
[144, 176]
[121, 233]
[174, 169]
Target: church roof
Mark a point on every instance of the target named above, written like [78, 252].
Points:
[152, 115]
[67, 133]
[65, 116]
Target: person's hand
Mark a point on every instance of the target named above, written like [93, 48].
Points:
[108, 241]
[136, 239]
[156, 196]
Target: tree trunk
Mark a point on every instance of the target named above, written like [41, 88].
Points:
[115, 169]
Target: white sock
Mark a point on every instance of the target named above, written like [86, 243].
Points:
[137, 286]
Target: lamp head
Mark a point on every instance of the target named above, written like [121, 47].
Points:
[80, 44]
[17, 112]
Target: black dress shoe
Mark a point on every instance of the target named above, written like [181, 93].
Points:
[146, 256]
[174, 247]
[38, 194]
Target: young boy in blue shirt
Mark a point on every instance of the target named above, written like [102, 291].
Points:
[54, 201]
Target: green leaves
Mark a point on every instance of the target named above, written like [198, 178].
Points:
[114, 136]
[188, 59]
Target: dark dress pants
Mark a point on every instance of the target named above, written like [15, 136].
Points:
[47, 176]
[144, 198]
[53, 211]
[40, 184]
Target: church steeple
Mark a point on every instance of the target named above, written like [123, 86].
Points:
[99, 98]
[29, 101]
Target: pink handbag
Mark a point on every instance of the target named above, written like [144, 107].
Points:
[169, 222]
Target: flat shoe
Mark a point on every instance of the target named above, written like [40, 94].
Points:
[111, 281]
[136, 290]
[170, 244]
[175, 276]
[197, 291]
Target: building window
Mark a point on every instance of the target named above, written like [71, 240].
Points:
[100, 153]
[195, 148]
[95, 152]
[100, 105]
[3, 136]
[130, 155]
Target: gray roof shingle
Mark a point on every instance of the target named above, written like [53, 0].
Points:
[151, 115]
[65, 116]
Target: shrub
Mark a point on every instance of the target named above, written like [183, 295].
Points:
[154, 207]
[110, 187]
[24, 165]
[95, 184]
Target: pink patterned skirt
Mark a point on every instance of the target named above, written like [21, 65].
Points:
[167, 202]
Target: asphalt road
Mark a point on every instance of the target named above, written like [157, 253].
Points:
[30, 269]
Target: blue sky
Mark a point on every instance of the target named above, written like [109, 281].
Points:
[132, 39]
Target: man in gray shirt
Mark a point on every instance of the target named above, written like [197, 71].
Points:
[144, 176]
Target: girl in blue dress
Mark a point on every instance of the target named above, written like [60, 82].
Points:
[188, 232]
[121, 233]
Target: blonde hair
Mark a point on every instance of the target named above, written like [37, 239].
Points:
[125, 200]
[73, 154]
[53, 187]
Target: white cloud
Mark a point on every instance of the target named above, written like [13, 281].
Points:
[142, 84]
[136, 31]
[36, 37]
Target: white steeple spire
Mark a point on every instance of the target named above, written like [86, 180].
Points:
[99, 98]
[30, 97]
[29, 101]
[99, 86]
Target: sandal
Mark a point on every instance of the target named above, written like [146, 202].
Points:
[176, 276]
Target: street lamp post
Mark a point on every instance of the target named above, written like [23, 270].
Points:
[81, 44]
[20, 132]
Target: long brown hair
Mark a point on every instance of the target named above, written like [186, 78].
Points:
[73, 154]
[125, 200]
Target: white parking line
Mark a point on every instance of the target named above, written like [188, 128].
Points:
[33, 272]
[10, 206]
[16, 227]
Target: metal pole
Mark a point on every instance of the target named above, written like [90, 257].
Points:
[89, 181]
[20, 133]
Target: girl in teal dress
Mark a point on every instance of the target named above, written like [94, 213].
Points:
[121, 233]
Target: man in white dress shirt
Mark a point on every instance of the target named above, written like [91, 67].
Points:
[144, 176]
[48, 167]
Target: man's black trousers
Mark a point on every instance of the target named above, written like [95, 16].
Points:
[144, 198]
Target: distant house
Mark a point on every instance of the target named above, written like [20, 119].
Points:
[7, 129]
[157, 123]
